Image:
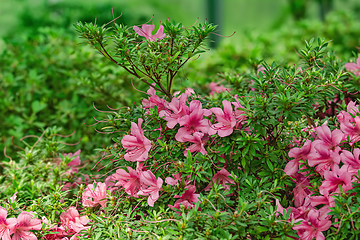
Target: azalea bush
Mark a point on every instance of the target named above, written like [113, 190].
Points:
[267, 153]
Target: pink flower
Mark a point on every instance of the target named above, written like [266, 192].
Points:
[136, 144]
[194, 122]
[23, 225]
[239, 114]
[322, 157]
[226, 119]
[13, 198]
[198, 139]
[94, 194]
[146, 31]
[187, 198]
[221, 177]
[177, 178]
[354, 67]
[129, 181]
[153, 101]
[71, 220]
[328, 139]
[150, 186]
[76, 161]
[176, 109]
[215, 88]
[313, 227]
[60, 234]
[292, 167]
[351, 127]
[339, 176]
[301, 191]
[4, 224]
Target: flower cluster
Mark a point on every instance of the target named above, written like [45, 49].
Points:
[336, 167]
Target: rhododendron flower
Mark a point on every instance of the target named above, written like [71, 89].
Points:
[186, 199]
[4, 224]
[339, 176]
[239, 114]
[215, 88]
[71, 220]
[194, 122]
[150, 186]
[351, 127]
[301, 191]
[226, 119]
[328, 139]
[23, 225]
[198, 139]
[59, 235]
[323, 158]
[313, 227]
[177, 178]
[76, 161]
[153, 101]
[136, 144]
[292, 167]
[354, 67]
[94, 194]
[351, 160]
[221, 177]
[13, 198]
[176, 109]
[146, 31]
[129, 181]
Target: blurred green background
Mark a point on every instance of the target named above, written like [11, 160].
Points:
[47, 77]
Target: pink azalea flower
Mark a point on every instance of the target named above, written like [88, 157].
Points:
[354, 67]
[226, 119]
[215, 88]
[239, 114]
[301, 191]
[60, 234]
[94, 194]
[72, 220]
[292, 167]
[352, 160]
[351, 127]
[4, 224]
[328, 139]
[23, 225]
[198, 139]
[129, 181]
[187, 198]
[339, 176]
[177, 178]
[153, 101]
[13, 198]
[323, 158]
[313, 227]
[194, 122]
[150, 186]
[136, 144]
[221, 177]
[76, 161]
[176, 109]
[146, 31]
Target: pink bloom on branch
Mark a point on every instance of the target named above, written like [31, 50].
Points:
[313, 227]
[4, 224]
[328, 139]
[354, 67]
[94, 194]
[129, 181]
[322, 158]
[194, 122]
[150, 186]
[188, 198]
[351, 160]
[226, 119]
[72, 220]
[292, 167]
[215, 88]
[351, 127]
[76, 161]
[339, 176]
[23, 225]
[153, 100]
[221, 177]
[136, 144]
[176, 109]
[146, 31]
[198, 139]
[177, 178]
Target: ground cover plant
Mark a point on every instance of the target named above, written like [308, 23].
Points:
[267, 153]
